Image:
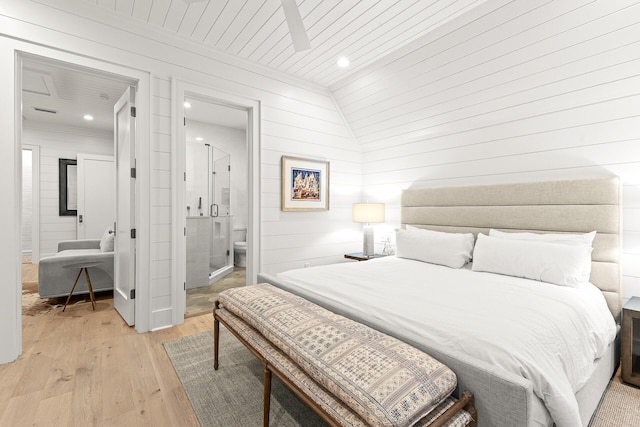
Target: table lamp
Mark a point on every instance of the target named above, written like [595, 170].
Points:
[368, 213]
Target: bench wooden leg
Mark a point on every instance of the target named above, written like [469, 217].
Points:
[216, 341]
[266, 396]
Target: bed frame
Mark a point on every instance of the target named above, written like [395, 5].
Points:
[578, 206]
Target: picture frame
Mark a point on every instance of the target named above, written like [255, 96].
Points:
[67, 187]
[305, 184]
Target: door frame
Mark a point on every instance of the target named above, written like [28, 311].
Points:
[142, 81]
[180, 89]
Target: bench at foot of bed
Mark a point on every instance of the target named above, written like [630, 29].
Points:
[348, 373]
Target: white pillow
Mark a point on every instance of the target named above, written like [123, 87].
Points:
[532, 259]
[107, 240]
[565, 239]
[435, 247]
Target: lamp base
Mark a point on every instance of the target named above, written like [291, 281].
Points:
[367, 241]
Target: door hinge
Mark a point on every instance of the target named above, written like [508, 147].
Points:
[229, 168]
[228, 252]
[133, 172]
[185, 286]
[133, 233]
[132, 294]
[185, 231]
[184, 121]
[133, 111]
[185, 176]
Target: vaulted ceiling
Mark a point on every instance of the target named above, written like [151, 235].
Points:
[360, 30]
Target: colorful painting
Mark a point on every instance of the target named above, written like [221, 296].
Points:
[305, 184]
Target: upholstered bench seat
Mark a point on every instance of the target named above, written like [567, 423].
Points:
[350, 374]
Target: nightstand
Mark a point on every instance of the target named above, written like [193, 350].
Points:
[631, 342]
[358, 256]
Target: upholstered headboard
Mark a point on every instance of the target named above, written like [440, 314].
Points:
[577, 206]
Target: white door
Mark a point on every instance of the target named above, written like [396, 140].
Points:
[96, 195]
[124, 140]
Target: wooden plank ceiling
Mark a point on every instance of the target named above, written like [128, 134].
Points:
[361, 30]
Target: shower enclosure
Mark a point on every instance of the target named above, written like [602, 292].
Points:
[209, 223]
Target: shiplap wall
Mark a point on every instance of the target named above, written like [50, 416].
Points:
[298, 119]
[511, 91]
[60, 143]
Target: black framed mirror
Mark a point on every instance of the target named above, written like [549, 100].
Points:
[68, 187]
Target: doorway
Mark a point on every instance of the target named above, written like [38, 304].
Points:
[242, 240]
[216, 192]
[68, 114]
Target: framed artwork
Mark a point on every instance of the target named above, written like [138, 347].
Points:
[67, 187]
[305, 184]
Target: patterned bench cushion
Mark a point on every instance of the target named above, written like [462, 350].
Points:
[336, 409]
[385, 381]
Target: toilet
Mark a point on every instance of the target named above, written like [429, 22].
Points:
[240, 254]
[240, 247]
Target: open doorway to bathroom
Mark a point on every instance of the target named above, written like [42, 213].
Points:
[216, 196]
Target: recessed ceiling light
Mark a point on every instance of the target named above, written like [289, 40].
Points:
[187, 105]
[88, 117]
[343, 62]
[199, 138]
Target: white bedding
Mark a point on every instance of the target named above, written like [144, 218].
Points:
[546, 333]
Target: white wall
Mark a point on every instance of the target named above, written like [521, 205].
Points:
[60, 142]
[297, 119]
[511, 91]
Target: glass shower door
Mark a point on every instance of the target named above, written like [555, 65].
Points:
[221, 258]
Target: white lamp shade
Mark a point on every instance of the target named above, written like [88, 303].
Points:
[368, 212]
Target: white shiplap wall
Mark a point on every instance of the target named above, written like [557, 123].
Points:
[55, 143]
[297, 119]
[511, 91]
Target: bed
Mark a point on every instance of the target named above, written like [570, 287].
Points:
[506, 392]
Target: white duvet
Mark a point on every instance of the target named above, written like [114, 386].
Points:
[546, 333]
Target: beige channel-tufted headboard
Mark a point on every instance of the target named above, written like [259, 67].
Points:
[573, 206]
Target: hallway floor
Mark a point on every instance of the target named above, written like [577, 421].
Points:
[200, 300]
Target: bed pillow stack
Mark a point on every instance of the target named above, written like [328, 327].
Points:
[435, 247]
[561, 259]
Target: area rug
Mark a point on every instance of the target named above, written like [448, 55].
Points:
[232, 395]
[620, 406]
[32, 304]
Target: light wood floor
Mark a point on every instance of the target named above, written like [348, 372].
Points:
[86, 368]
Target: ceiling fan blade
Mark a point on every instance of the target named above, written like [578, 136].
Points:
[296, 26]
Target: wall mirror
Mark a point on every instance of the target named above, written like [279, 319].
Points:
[68, 187]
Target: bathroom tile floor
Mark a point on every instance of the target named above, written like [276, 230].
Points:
[200, 300]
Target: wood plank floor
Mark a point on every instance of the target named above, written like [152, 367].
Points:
[86, 368]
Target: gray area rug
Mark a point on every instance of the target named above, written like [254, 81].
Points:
[232, 395]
